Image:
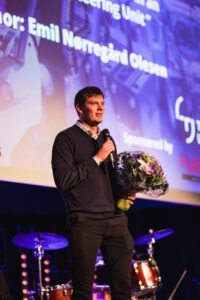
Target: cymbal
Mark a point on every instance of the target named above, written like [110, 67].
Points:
[156, 235]
[48, 241]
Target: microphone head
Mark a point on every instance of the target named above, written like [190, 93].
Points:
[106, 134]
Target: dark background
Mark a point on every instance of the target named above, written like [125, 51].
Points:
[26, 208]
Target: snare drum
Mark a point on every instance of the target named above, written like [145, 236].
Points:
[101, 292]
[60, 292]
[145, 276]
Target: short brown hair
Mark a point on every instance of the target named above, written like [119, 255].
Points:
[86, 93]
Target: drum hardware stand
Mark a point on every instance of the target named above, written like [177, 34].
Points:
[177, 285]
[40, 241]
[150, 249]
[149, 240]
[39, 252]
[150, 252]
[152, 241]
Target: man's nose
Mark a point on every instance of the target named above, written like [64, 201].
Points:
[100, 106]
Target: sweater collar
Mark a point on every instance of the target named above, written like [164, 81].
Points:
[88, 131]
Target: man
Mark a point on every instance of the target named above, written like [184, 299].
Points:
[84, 173]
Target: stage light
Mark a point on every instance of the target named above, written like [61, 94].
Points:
[47, 271]
[47, 279]
[46, 262]
[23, 256]
[25, 291]
[24, 274]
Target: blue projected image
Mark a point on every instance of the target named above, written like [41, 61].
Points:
[143, 54]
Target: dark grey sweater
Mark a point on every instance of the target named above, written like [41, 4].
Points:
[86, 187]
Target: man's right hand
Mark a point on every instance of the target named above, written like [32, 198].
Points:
[104, 151]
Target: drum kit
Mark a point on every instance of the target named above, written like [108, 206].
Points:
[145, 273]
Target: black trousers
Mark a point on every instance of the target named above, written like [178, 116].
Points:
[112, 236]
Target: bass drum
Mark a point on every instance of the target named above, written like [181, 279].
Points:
[145, 276]
[60, 292]
[64, 292]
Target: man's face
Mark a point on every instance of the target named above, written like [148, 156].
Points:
[92, 111]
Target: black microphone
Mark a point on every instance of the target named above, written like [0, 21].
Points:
[107, 137]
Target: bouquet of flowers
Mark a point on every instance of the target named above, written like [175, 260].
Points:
[139, 172]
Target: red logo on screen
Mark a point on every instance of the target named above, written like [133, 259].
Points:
[191, 165]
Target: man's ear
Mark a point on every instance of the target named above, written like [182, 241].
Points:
[79, 109]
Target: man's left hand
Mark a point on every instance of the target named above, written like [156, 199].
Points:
[131, 198]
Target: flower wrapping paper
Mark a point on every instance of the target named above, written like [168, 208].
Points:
[140, 172]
